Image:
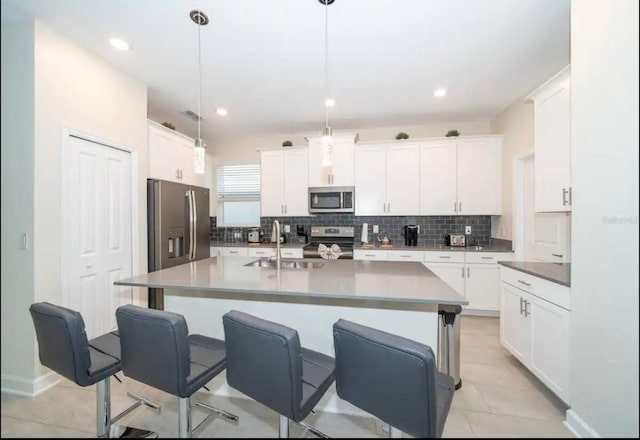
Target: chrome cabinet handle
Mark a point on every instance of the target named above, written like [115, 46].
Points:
[444, 256]
[487, 258]
[468, 274]
[455, 207]
[389, 207]
[524, 282]
[521, 305]
[460, 207]
[462, 271]
[369, 255]
[566, 196]
[405, 256]
[526, 308]
[285, 209]
[557, 255]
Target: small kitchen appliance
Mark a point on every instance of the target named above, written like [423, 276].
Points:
[302, 233]
[410, 233]
[254, 235]
[331, 199]
[455, 240]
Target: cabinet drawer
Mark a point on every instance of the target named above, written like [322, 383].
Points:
[444, 257]
[405, 255]
[290, 253]
[488, 257]
[234, 252]
[366, 254]
[261, 252]
[554, 293]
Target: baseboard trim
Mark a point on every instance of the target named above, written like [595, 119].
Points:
[578, 427]
[28, 387]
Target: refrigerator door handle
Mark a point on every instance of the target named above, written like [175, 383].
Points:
[190, 201]
[195, 224]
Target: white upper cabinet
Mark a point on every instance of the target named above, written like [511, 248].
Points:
[387, 177]
[461, 176]
[552, 139]
[171, 157]
[284, 182]
[438, 178]
[341, 172]
[480, 176]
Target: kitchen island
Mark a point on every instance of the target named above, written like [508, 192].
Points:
[397, 297]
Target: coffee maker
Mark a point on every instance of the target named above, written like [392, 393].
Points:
[410, 233]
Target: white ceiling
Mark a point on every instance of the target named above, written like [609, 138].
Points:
[264, 60]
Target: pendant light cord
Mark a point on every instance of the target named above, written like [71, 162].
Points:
[199, 83]
[326, 62]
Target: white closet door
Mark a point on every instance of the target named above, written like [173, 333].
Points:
[96, 231]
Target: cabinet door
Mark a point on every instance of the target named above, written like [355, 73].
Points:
[552, 138]
[551, 237]
[450, 273]
[185, 160]
[480, 177]
[162, 156]
[403, 179]
[296, 185]
[482, 286]
[271, 183]
[515, 333]
[234, 252]
[370, 172]
[318, 175]
[342, 170]
[550, 344]
[438, 179]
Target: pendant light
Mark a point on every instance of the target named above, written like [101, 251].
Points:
[327, 138]
[201, 19]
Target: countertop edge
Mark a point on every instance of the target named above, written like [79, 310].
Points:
[509, 265]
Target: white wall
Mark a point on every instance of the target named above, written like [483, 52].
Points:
[75, 89]
[516, 124]
[604, 178]
[244, 149]
[17, 200]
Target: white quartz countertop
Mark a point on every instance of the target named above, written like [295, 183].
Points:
[337, 279]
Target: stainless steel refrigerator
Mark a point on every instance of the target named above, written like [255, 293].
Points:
[178, 227]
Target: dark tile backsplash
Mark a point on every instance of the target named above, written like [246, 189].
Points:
[432, 228]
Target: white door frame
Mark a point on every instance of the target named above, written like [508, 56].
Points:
[66, 133]
[517, 205]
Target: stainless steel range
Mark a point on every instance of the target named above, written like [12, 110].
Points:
[329, 235]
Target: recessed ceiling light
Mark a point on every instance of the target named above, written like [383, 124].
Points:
[439, 93]
[221, 112]
[330, 102]
[119, 44]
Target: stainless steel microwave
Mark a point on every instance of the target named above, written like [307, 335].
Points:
[331, 199]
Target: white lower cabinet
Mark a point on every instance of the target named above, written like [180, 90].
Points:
[215, 251]
[369, 254]
[261, 252]
[535, 330]
[235, 252]
[257, 252]
[474, 275]
[290, 252]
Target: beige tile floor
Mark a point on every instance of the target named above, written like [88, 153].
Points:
[498, 398]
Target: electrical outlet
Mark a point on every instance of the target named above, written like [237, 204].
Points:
[467, 230]
[375, 229]
[287, 228]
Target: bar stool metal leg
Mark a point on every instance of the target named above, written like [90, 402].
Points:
[103, 402]
[283, 427]
[184, 417]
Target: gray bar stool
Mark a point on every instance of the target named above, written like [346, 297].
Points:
[158, 351]
[392, 378]
[63, 347]
[266, 362]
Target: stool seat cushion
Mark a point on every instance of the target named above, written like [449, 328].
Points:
[207, 361]
[318, 373]
[104, 352]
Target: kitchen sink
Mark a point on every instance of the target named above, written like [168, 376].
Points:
[286, 264]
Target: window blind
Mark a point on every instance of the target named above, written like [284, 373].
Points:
[238, 181]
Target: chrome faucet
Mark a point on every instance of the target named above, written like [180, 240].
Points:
[275, 229]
